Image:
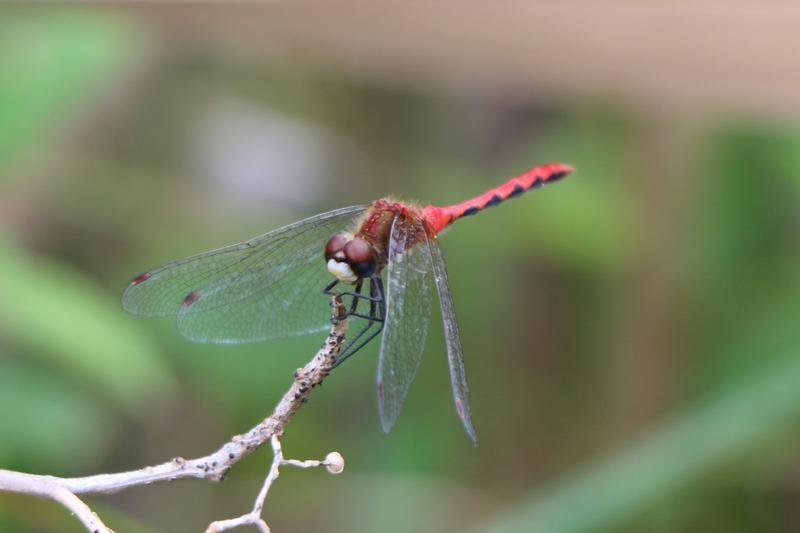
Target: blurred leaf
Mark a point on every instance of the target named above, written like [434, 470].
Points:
[587, 220]
[431, 500]
[740, 263]
[372, 502]
[120, 520]
[50, 64]
[586, 223]
[75, 325]
[679, 453]
[50, 425]
[27, 514]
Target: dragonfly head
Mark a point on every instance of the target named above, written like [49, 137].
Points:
[349, 258]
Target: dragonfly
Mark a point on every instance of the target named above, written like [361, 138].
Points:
[382, 258]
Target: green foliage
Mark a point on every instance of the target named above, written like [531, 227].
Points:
[666, 461]
[46, 411]
[52, 65]
[550, 289]
[70, 364]
[71, 323]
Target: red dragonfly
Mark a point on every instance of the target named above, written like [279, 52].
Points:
[383, 258]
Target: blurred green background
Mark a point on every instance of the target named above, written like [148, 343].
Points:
[630, 333]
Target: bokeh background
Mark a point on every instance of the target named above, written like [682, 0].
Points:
[631, 333]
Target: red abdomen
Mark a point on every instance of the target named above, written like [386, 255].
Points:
[440, 217]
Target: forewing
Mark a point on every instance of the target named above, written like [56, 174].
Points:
[455, 357]
[274, 272]
[292, 304]
[408, 306]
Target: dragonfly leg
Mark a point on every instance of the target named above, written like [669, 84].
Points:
[355, 294]
[328, 290]
[377, 315]
[377, 307]
[356, 298]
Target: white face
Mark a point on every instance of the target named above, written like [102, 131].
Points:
[349, 258]
[341, 271]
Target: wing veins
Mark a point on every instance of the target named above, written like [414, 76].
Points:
[455, 356]
[162, 293]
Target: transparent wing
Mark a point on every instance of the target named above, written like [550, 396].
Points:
[409, 282]
[292, 304]
[263, 288]
[455, 357]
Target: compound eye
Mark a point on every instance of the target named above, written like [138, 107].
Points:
[359, 256]
[334, 246]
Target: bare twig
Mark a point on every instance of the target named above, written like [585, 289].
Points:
[214, 466]
[51, 488]
[333, 461]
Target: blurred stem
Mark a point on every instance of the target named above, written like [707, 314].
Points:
[650, 320]
[603, 497]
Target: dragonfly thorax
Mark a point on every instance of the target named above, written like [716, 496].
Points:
[349, 258]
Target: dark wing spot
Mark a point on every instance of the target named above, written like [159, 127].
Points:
[190, 298]
[518, 189]
[471, 211]
[496, 199]
[538, 183]
[140, 278]
[556, 176]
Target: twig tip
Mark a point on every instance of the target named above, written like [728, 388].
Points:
[334, 463]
